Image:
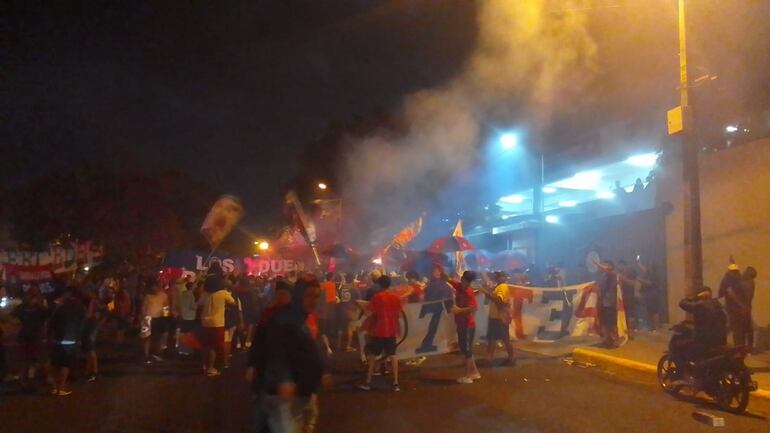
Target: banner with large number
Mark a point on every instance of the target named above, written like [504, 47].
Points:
[539, 314]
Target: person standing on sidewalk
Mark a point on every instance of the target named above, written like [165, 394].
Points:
[464, 309]
[730, 288]
[745, 337]
[499, 318]
[608, 304]
[650, 295]
[212, 303]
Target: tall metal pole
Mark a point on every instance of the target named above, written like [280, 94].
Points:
[538, 208]
[693, 253]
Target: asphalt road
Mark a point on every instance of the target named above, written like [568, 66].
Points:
[541, 395]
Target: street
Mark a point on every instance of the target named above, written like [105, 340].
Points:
[540, 394]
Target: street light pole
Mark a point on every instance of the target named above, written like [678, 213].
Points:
[693, 252]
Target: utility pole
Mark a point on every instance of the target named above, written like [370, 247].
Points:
[681, 121]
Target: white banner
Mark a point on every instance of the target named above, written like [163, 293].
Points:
[539, 314]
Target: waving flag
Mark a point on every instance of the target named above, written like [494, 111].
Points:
[407, 234]
[221, 219]
[459, 255]
[306, 226]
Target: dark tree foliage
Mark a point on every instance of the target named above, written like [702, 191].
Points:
[135, 216]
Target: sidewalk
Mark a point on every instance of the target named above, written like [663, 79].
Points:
[642, 355]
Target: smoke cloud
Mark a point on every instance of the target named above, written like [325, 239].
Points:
[528, 59]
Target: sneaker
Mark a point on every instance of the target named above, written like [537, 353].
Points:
[157, 357]
[329, 351]
[365, 387]
[465, 380]
[63, 392]
[212, 372]
[396, 388]
[377, 373]
[420, 360]
[91, 378]
[475, 376]
[148, 361]
[238, 346]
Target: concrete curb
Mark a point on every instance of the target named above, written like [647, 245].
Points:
[599, 358]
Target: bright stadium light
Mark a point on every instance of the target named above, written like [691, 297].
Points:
[513, 199]
[643, 160]
[584, 180]
[263, 245]
[322, 186]
[731, 128]
[552, 219]
[549, 189]
[568, 203]
[509, 140]
[605, 194]
[377, 261]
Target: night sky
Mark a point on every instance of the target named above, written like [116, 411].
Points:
[229, 92]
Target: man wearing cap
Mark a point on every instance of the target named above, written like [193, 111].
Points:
[730, 289]
[499, 318]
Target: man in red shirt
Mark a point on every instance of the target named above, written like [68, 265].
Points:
[386, 309]
[464, 309]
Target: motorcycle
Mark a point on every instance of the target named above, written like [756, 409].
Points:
[722, 374]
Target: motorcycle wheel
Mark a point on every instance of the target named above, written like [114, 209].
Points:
[667, 374]
[732, 393]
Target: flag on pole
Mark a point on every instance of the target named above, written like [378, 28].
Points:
[301, 219]
[407, 234]
[459, 255]
[221, 219]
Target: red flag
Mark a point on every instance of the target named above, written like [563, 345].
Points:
[407, 234]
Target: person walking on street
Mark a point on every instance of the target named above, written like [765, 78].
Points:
[212, 303]
[233, 326]
[65, 329]
[499, 318]
[32, 314]
[464, 309]
[122, 313]
[285, 366]
[386, 309]
[155, 310]
[346, 314]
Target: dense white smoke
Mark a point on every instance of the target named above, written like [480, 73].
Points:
[529, 59]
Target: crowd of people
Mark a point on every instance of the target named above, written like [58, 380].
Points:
[642, 296]
[292, 324]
